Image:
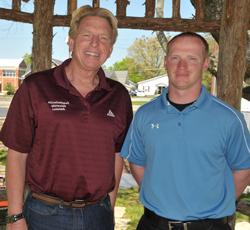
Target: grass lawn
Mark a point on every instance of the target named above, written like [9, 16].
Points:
[129, 198]
[3, 154]
[139, 102]
[240, 217]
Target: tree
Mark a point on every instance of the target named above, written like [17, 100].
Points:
[213, 10]
[148, 56]
[27, 59]
[129, 64]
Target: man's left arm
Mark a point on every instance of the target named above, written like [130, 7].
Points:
[241, 180]
[118, 172]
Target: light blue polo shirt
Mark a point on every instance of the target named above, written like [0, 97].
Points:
[188, 156]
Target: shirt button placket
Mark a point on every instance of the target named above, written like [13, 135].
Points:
[85, 110]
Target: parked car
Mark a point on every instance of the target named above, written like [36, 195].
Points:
[140, 93]
[132, 92]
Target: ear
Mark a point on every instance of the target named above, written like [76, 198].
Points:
[165, 62]
[110, 51]
[206, 63]
[71, 44]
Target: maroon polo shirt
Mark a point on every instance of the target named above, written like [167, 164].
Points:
[70, 140]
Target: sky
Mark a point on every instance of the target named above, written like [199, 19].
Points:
[16, 38]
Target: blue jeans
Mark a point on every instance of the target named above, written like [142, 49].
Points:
[42, 216]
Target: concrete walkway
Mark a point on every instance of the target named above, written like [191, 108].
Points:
[242, 226]
[120, 222]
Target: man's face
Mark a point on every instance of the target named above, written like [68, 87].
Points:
[93, 43]
[185, 62]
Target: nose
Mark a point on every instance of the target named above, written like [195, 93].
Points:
[182, 63]
[94, 41]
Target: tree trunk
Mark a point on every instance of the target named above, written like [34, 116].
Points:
[232, 53]
[42, 35]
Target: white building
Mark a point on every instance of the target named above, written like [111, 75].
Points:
[153, 85]
[245, 109]
[10, 72]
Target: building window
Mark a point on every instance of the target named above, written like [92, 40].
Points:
[9, 73]
[146, 88]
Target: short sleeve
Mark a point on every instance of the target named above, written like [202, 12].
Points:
[133, 147]
[127, 115]
[238, 152]
[18, 129]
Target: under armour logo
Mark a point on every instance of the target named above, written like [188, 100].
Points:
[110, 114]
[156, 125]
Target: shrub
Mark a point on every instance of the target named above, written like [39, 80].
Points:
[9, 88]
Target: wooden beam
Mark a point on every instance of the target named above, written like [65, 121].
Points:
[72, 5]
[150, 8]
[167, 24]
[158, 24]
[96, 3]
[232, 52]
[161, 24]
[176, 9]
[16, 16]
[121, 7]
[16, 5]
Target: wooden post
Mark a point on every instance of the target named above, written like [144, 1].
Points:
[176, 8]
[232, 51]
[96, 3]
[42, 35]
[16, 5]
[72, 5]
[199, 12]
[150, 8]
[121, 7]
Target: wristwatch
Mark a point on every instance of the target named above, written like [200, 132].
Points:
[13, 218]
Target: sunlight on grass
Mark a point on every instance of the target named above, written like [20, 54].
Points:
[129, 198]
[139, 102]
[3, 154]
[240, 217]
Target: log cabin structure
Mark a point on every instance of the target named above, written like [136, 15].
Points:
[232, 27]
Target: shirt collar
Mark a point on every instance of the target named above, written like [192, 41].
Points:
[62, 80]
[198, 103]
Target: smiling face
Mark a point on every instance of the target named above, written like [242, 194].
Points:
[185, 62]
[92, 44]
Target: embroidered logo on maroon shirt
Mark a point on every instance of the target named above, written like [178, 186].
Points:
[58, 105]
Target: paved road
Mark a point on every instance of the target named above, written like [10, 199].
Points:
[3, 112]
[4, 105]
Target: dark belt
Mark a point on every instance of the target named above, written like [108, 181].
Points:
[57, 201]
[185, 225]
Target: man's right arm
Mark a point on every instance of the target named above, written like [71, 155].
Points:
[15, 182]
[137, 172]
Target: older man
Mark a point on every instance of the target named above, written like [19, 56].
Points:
[64, 128]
